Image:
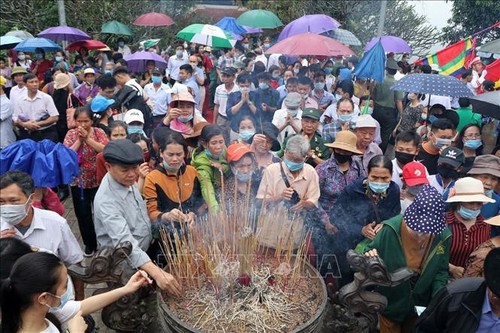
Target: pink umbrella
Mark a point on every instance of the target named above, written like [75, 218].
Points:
[310, 44]
[153, 20]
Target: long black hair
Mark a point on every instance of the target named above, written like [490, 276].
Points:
[207, 133]
[32, 274]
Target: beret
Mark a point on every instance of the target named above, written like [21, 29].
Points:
[123, 152]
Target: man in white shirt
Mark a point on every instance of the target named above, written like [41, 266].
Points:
[159, 95]
[175, 62]
[220, 99]
[7, 135]
[123, 47]
[288, 119]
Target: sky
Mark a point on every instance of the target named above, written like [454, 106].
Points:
[437, 12]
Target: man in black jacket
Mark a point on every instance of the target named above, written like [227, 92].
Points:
[466, 305]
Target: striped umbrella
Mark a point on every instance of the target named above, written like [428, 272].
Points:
[206, 34]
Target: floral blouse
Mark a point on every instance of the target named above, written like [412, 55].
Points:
[86, 157]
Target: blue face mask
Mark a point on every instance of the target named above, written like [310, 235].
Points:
[378, 187]
[243, 177]
[468, 214]
[168, 167]
[185, 119]
[246, 135]
[267, 45]
[488, 193]
[276, 76]
[263, 85]
[156, 79]
[209, 154]
[135, 129]
[328, 70]
[293, 166]
[442, 142]
[319, 85]
[344, 118]
[107, 71]
[473, 144]
[432, 119]
[59, 59]
[64, 297]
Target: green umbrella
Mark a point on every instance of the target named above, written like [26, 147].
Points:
[116, 28]
[206, 34]
[260, 18]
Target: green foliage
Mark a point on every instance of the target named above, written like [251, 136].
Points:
[470, 16]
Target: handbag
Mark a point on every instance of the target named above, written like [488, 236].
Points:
[70, 113]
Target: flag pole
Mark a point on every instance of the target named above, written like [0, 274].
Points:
[484, 30]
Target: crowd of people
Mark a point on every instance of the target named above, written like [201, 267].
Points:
[394, 174]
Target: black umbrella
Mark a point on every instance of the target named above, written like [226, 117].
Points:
[487, 104]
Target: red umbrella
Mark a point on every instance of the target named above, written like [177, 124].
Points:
[153, 20]
[90, 44]
[310, 44]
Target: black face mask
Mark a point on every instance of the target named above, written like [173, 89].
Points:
[341, 159]
[404, 158]
[447, 171]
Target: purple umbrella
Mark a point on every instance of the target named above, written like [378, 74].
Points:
[136, 62]
[252, 30]
[62, 32]
[390, 44]
[317, 23]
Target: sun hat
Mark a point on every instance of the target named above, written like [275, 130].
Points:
[18, 70]
[100, 104]
[182, 97]
[133, 115]
[486, 165]
[492, 271]
[293, 100]
[88, 71]
[271, 131]
[345, 140]
[452, 156]
[426, 213]
[474, 61]
[495, 220]
[3, 81]
[365, 121]
[61, 80]
[415, 173]
[468, 189]
[236, 151]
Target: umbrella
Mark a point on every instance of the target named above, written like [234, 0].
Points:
[372, 65]
[8, 42]
[207, 34]
[19, 34]
[490, 49]
[136, 62]
[230, 25]
[487, 104]
[344, 36]
[390, 44]
[89, 44]
[317, 24]
[434, 84]
[49, 164]
[31, 44]
[63, 33]
[260, 18]
[115, 28]
[153, 20]
[252, 30]
[309, 44]
[148, 43]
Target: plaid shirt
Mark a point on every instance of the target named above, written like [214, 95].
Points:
[330, 130]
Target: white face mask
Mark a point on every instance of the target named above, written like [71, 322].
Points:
[14, 214]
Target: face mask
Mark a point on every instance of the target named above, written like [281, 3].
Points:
[267, 45]
[245, 45]
[244, 89]
[263, 85]
[296, 71]
[378, 187]
[59, 59]
[276, 76]
[107, 71]
[209, 154]
[341, 159]
[423, 116]
[488, 193]
[135, 129]
[121, 44]
[64, 297]
[404, 158]
[179, 54]
[405, 204]
[39, 56]
[432, 119]
[338, 97]
[442, 142]
[328, 70]
[292, 112]
[468, 214]
[473, 144]
[156, 79]
[447, 172]
[344, 118]
[14, 214]
[369, 110]
[293, 166]
[246, 135]
[242, 177]
[185, 119]
[169, 168]
[319, 85]
[21, 57]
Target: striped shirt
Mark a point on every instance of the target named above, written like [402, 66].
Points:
[464, 241]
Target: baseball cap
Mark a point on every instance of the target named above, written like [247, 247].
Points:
[452, 156]
[236, 151]
[228, 71]
[293, 100]
[88, 71]
[100, 104]
[311, 113]
[133, 115]
[415, 173]
[366, 121]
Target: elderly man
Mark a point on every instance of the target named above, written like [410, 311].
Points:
[120, 212]
[365, 133]
[288, 119]
[35, 113]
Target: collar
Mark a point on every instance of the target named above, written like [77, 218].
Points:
[289, 174]
[118, 188]
[37, 96]
[36, 223]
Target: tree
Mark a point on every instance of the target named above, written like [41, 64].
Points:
[30, 15]
[470, 16]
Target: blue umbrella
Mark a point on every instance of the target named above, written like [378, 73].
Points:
[434, 84]
[49, 164]
[31, 44]
[229, 24]
[372, 65]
